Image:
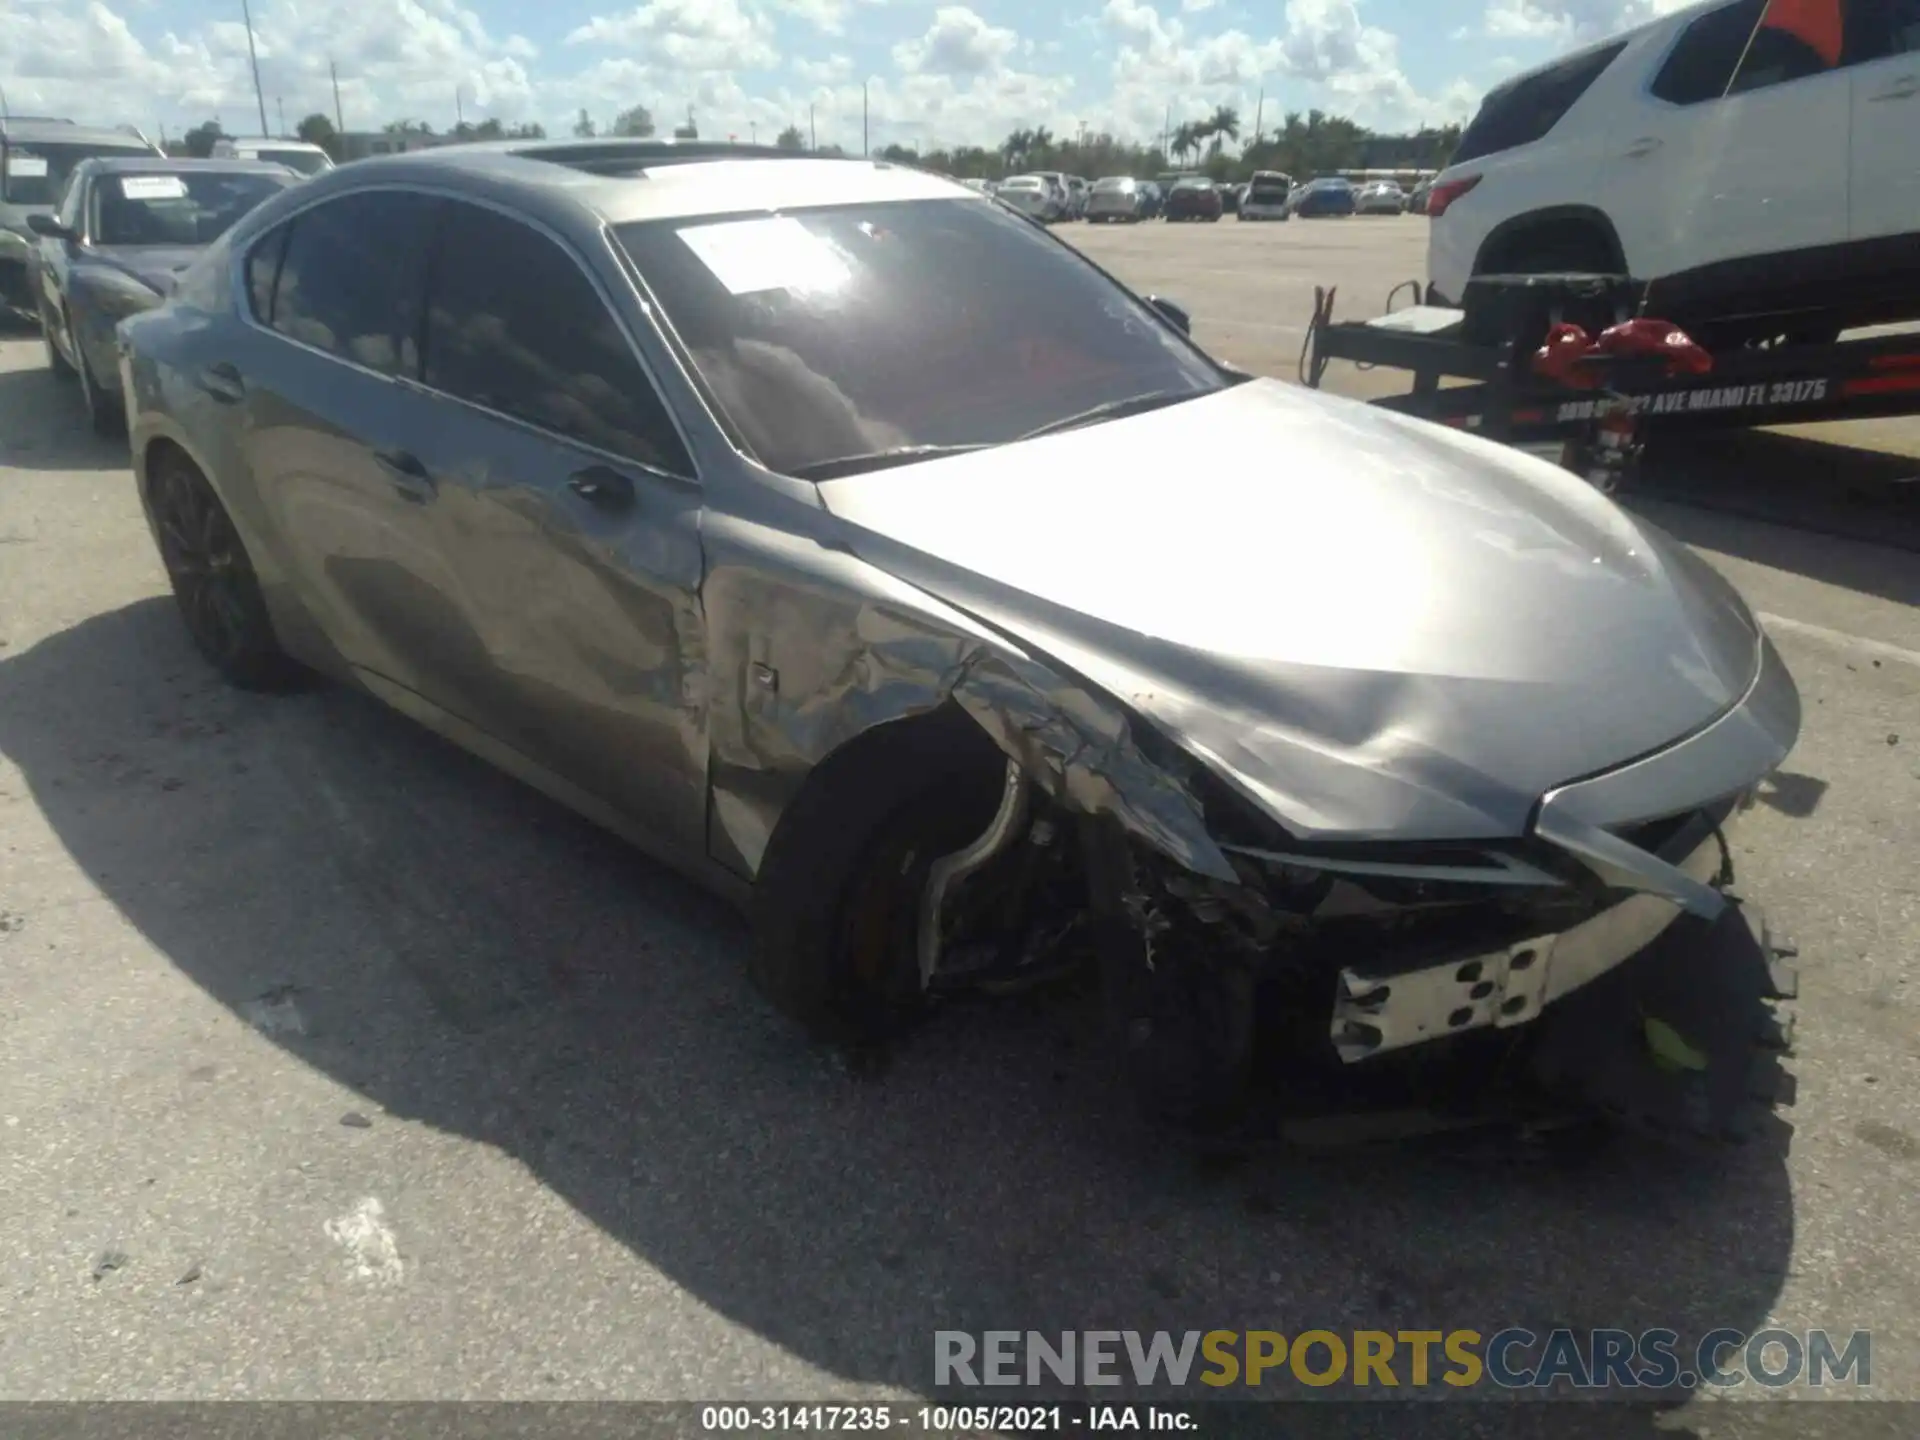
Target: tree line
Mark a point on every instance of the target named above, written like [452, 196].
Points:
[1305, 143]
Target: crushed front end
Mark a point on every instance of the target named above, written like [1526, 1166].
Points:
[1602, 954]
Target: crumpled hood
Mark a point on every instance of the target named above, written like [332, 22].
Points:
[153, 265]
[1370, 626]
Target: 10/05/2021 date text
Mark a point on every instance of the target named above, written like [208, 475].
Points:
[947, 1419]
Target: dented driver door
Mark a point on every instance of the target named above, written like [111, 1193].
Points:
[568, 511]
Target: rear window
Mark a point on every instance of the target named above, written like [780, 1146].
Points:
[1120, 183]
[36, 174]
[1524, 110]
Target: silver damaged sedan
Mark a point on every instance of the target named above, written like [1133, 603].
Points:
[873, 557]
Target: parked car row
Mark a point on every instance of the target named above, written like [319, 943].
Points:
[41, 161]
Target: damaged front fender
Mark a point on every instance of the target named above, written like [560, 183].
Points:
[813, 647]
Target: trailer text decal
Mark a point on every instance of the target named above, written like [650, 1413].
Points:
[1726, 397]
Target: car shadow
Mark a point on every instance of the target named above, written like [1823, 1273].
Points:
[1795, 503]
[466, 955]
[48, 427]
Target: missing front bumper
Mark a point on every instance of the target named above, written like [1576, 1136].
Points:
[1377, 1008]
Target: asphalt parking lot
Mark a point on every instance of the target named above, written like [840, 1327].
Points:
[334, 1065]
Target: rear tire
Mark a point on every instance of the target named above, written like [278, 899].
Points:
[214, 582]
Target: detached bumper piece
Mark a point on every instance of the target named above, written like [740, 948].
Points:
[1722, 988]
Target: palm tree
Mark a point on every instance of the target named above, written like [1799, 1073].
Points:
[1015, 147]
[1186, 139]
[1223, 125]
[1042, 144]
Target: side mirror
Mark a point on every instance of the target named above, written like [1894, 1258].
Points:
[47, 226]
[1174, 315]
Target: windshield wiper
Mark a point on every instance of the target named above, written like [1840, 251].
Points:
[876, 460]
[1114, 410]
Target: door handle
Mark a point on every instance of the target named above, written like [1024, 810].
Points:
[602, 485]
[408, 475]
[222, 381]
[1644, 146]
[1905, 88]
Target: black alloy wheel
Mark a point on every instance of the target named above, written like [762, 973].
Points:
[213, 580]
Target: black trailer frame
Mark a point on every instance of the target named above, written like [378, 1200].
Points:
[1504, 400]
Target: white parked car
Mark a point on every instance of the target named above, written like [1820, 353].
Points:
[1382, 197]
[297, 155]
[1266, 197]
[1033, 195]
[1792, 185]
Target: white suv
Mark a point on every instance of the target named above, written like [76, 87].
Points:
[1781, 199]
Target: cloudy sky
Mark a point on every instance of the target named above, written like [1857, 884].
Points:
[937, 72]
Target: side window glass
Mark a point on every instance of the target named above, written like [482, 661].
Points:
[515, 325]
[350, 278]
[1702, 60]
[263, 271]
[1877, 29]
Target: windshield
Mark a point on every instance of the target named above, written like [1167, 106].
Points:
[37, 174]
[1110, 185]
[873, 327]
[193, 208]
[301, 162]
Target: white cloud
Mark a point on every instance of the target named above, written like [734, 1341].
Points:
[743, 65]
[693, 35]
[1568, 21]
[958, 42]
[830, 71]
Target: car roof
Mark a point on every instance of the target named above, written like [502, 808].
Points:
[276, 143]
[626, 181]
[166, 164]
[65, 132]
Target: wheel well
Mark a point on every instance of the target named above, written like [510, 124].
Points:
[159, 449]
[1576, 231]
[946, 732]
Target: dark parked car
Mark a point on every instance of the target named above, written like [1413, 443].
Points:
[1230, 198]
[1327, 196]
[1194, 198]
[36, 157]
[727, 502]
[126, 228]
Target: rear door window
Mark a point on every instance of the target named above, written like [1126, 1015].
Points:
[1524, 110]
[515, 325]
[350, 281]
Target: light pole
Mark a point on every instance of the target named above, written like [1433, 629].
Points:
[253, 59]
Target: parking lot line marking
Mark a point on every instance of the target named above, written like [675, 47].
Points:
[1859, 644]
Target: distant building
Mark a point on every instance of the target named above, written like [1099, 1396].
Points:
[1399, 152]
[360, 144]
